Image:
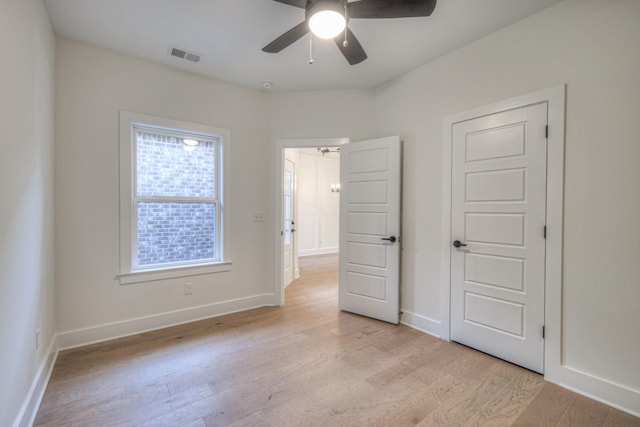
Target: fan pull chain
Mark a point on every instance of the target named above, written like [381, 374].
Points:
[310, 49]
[345, 43]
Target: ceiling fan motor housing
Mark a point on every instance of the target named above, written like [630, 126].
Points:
[316, 6]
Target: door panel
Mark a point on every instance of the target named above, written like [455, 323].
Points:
[367, 285]
[506, 229]
[495, 143]
[496, 186]
[496, 271]
[370, 212]
[494, 313]
[368, 192]
[367, 254]
[498, 211]
[367, 223]
[375, 160]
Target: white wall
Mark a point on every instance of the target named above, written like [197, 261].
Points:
[318, 208]
[26, 210]
[594, 47]
[322, 114]
[92, 85]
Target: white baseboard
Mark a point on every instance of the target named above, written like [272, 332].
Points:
[421, 323]
[604, 391]
[31, 404]
[109, 331]
[320, 251]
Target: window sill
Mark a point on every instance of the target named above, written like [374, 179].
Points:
[172, 273]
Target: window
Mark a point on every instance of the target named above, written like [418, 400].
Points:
[171, 198]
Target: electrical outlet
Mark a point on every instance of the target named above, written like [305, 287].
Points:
[37, 339]
[188, 289]
[258, 216]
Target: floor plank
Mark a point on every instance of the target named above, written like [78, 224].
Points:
[305, 363]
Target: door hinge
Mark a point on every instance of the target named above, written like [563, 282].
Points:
[542, 331]
[544, 231]
[546, 131]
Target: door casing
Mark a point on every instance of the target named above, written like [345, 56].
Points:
[555, 98]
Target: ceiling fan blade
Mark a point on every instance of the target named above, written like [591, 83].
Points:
[391, 8]
[354, 52]
[287, 38]
[296, 3]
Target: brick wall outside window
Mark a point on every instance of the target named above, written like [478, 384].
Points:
[172, 231]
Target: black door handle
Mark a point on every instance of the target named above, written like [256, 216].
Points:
[458, 243]
[391, 239]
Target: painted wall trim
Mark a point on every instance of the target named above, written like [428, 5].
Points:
[421, 323]
[109, 331]
[29, 409]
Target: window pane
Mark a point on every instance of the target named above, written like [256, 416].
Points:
[287, 207]
[174, 232]
[287, 232]
[287, 182]
[172, 166]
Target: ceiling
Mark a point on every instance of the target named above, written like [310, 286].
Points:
[231, 33]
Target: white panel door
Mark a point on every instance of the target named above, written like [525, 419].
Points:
[497, 226]
[288, 223]
[370, 201]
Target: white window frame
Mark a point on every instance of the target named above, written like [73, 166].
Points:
[129, 273]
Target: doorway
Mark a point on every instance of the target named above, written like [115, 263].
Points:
[311, 197]
[312, 240]
[370, 224]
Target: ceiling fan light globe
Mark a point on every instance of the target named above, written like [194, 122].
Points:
[327, 24]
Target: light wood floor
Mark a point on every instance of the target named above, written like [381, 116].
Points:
[301, 365]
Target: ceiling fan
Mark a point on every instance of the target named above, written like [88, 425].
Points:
[329, 19]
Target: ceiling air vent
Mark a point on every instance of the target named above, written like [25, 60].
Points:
[184, 54]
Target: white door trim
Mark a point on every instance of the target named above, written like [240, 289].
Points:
[555, 97]
[281, 145]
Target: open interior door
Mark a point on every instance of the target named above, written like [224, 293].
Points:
[370, 226]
